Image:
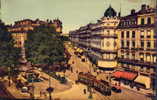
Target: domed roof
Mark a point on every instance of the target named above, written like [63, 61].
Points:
[110, 12]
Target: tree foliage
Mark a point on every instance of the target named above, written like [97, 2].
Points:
[43, 46]
[9, 55]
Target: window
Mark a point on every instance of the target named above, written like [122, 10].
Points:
[148, 44]
[122, 43]
[127, 34]
[133, 34]
[148, 34]
[142, 21]
[127, 43]
[149, 20]
[122, 34]
[127, 55]
[133, 43]
[141, 56]
[142, 34]
[142, 43]
[155, 44]
[133, 55]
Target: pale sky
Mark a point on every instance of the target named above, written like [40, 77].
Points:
[73, 13]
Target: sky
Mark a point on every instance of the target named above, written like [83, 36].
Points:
[73, 13]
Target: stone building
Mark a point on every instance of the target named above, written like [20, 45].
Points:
[137, 42]
[126, 44]
[99, 39]
[20, 29]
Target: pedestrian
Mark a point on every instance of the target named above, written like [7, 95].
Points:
[84, 90]
[44, 94]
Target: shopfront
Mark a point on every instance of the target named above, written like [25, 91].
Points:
[143, 82]
[127, 78]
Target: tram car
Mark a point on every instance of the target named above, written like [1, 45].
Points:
[99, 85]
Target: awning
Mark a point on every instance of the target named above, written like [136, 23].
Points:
[125, 75]
[143, 80]
[107, 64]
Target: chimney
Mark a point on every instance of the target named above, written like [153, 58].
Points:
[132, 11]
[143, 7]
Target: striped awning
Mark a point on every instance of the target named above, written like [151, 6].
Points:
[125, 75]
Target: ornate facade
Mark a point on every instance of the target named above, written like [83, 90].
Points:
[127, 43]
[137, 42]
[100, 39]
[137, 38]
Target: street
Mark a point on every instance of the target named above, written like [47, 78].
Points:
[80, 66]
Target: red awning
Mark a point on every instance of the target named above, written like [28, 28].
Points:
[125, 75]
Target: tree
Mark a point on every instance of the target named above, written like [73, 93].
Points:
[9, 55]
[43, 46]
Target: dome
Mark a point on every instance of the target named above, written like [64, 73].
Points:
[110, 12]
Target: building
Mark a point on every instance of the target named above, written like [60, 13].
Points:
[99, 39]
[20, 29]
[127, 44]
[137, 42]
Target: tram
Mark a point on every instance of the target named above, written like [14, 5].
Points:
[99, 85]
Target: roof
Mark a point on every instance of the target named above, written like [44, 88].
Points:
[110, 12]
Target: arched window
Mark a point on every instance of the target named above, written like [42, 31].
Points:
[149, 20]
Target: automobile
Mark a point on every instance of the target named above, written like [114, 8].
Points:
[116, 89]
[24, 89]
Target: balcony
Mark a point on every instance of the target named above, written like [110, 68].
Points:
[150, 49]
[136, 62]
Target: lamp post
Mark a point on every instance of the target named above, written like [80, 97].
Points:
[9, 69]
[50, 89]
[90, 92]
[32, 80]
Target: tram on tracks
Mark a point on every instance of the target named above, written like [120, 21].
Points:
[99, 85]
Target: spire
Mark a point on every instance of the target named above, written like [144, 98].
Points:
[119, 14]
[110, 6]
[0, 10]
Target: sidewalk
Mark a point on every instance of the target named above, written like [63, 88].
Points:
[141, 91]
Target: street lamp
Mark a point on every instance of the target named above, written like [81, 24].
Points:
[32, 80]
[50, 89]
[90, 92]
[9, 69]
